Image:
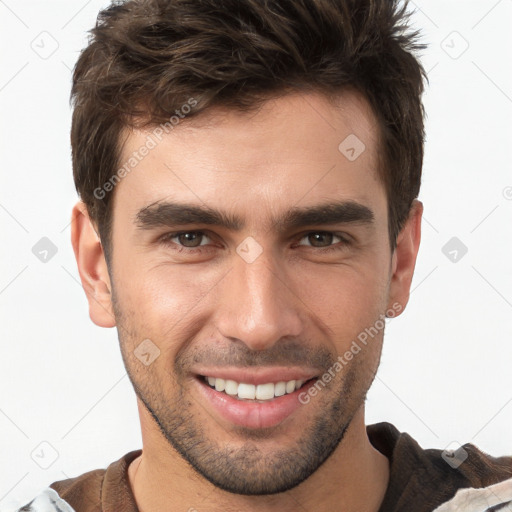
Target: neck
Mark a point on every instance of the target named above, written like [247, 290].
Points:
[353, 478]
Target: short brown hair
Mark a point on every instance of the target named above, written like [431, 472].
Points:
[147, 58]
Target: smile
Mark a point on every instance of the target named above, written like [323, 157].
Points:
[253, 400]
[260, 392]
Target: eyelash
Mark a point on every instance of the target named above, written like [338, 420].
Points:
[166, 240]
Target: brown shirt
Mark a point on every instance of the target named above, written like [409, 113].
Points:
[420, 480]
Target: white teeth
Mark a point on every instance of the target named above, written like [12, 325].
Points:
[245, 391]
[280, 388]
[220, 384]
[265, 391]
[290, 386]
[231, 387]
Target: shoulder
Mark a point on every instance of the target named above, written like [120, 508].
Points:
[101, 488]
[88, 492]
[467, 464]
[84, 489]
[47, 501]
[434, 475]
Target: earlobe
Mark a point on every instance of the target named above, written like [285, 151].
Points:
[92, 267]
[404, 258]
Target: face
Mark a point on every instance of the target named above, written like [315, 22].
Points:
[252, 252]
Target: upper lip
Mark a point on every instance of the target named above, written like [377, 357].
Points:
[258, 375]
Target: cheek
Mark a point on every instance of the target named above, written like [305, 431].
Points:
[162, 301]
[346, 298]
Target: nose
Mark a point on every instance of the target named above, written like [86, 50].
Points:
[258, 303]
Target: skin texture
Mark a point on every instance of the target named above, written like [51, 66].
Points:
[295, 305]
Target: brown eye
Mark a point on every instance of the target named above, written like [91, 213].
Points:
[185, 240]
[326, 241]
[320, 239]
[190, 239]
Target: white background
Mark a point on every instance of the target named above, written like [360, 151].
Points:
[446, 367]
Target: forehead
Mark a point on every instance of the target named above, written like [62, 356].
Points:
[298, 149]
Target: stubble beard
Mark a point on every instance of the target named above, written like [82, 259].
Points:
[245, 468]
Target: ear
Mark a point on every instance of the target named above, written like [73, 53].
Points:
[92, 267]
[404, 258]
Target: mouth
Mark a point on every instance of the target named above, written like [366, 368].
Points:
[253, 401]
[258, 393]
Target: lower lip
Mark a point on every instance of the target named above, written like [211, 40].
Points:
[248, 414]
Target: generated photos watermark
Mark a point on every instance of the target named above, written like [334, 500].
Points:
[152, 140]
[342, 361]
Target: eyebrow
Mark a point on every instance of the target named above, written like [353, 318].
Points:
[171, 214]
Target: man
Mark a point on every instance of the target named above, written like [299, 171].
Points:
[249, 174]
